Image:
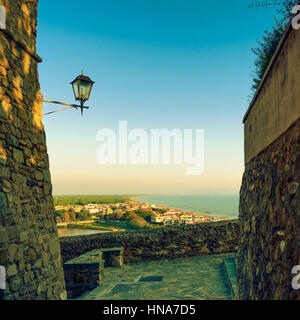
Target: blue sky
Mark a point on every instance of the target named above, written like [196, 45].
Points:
[157, 64]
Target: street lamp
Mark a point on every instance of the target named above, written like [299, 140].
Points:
[82, 87]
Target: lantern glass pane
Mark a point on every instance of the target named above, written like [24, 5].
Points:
[89, 89]
[75, 89]
[84, 90]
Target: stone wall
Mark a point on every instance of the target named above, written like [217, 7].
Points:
[29, 245]
[270, 221]
[163, 243]
[270, 193]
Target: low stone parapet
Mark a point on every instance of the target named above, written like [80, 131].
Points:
[84, 273]
[161, 243]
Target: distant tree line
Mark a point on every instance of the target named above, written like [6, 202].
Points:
[83, 200]
[136, 219]
[162, 211]
[71, 215]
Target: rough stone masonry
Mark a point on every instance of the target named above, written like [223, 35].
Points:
[270, 195]
[29, 245]
[163, 243]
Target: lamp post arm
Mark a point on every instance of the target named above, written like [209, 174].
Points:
[65, 104]
[45, 114]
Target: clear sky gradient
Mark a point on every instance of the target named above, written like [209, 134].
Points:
[157, 64]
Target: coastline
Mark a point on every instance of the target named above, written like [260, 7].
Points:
[184, 211]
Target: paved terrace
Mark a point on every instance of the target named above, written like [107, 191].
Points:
[194, 278]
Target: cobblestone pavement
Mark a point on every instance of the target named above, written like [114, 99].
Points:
[196, 278]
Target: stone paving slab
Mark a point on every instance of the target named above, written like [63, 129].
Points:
[193, 278]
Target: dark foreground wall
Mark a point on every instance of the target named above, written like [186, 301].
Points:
[270, 216]
[270, 193]
[171, 242]
[29, 245]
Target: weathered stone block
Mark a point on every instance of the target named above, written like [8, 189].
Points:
[3, 236]
[18, 156]
[12, 249]
[28, 277]
[3, 111]
[12, 140]
[39, 175]
[3, 257]
[113, 257]
[16, 284]
[47, 177]
[21, 265]
[3, 202]
[11, 270]
[54, 246]
[23, 237]
[4, 172]
[13, 233]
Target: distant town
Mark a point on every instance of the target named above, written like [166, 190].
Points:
[129, 214]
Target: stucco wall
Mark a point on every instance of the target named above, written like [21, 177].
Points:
[277, 103]
[29, 245]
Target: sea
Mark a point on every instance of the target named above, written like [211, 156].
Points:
[222, 206]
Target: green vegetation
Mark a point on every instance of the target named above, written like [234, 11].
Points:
[138, 219]
[130, 224]
[85, 199]
[139, 223]
[90, 226]
[270, 40]
[70, 215]
[114, 224]
[144, 214]
[83, 215]
[159, 210]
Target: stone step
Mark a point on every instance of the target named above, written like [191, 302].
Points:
[86, 272]
[82, 276]
[229, 267]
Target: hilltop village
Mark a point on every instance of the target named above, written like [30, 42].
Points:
[152, 214]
